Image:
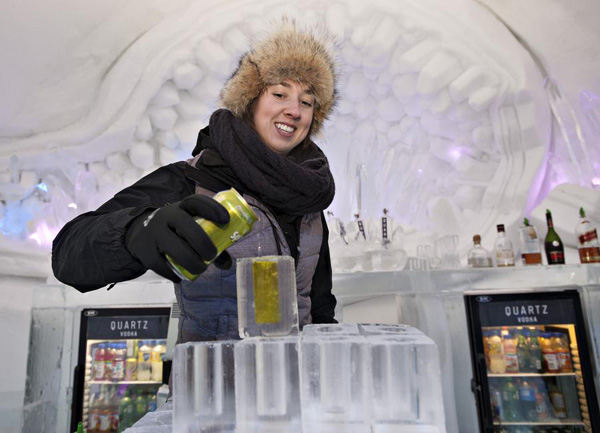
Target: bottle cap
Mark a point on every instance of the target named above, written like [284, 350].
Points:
[526, 221]
[477, 239]
[500, 227]
[581, 212]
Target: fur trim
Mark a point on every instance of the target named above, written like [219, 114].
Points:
[288, 53]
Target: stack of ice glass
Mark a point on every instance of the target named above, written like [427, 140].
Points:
[329, 378]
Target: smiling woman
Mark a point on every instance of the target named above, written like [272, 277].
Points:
[260, 144]
[283, 115]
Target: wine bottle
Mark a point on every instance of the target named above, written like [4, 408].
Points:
[555, 252]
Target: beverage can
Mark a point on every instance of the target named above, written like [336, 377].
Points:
[241, 220]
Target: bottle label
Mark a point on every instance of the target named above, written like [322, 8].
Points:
[551, 361]
[512, 362]
[557, 257]
[564, 361]
[588, 237]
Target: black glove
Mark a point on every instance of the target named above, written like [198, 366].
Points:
[172, 230]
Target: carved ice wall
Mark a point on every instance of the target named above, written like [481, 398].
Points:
[445, 116]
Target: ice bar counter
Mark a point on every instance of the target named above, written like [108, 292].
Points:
[329, 378]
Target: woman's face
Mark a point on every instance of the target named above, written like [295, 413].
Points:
[282, 116]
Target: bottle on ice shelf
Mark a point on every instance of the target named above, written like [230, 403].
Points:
[503, 247]
[563, 355]
[535, 352]
[99, 364]
[479, 257]
[555, 252]
[550, 360]
[587, 236]
[144, 364]
[496, 350]
[510, 353]
[530, 245]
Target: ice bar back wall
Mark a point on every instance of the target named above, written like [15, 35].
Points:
[445, 116]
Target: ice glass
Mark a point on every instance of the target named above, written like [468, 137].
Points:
[203, 387]
[369, 329]
[330, 329]
[267, 385]
[335, 391]
[266, 295]
[406, 384]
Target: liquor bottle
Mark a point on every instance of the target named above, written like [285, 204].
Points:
[589, 248]
[478, 256]
[505, 254]
[555, 252]
[530, 245]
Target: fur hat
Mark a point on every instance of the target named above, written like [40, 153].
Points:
[287, 53]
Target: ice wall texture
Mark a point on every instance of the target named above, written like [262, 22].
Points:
[446, 116]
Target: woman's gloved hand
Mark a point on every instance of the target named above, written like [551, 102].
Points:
[172, 230]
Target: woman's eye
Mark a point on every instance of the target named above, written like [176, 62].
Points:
[307, 103]
[278, 95]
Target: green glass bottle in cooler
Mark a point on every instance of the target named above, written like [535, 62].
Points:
[241, 220]
[126, 412]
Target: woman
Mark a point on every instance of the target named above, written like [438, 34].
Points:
[280, 94]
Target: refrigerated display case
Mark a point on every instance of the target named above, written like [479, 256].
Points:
[120, 366]
[531, 362]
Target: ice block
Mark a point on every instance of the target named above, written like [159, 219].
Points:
[267, 385]
[335, 383]
[266, 292]
[204, 387]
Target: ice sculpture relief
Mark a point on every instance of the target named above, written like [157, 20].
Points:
[448, 118]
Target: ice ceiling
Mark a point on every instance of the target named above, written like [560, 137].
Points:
[442, 121]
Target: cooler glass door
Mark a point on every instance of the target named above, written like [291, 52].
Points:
[120, 366]
[531, 362]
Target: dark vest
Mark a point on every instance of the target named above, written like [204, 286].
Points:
[209, 304]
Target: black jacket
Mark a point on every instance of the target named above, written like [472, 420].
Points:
[89, 252]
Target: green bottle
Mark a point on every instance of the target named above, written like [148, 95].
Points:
[141, 406]
[126, 412]
[555, 252]
[523, 352]
[510, 401]
[535, 351]
[80, 428]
